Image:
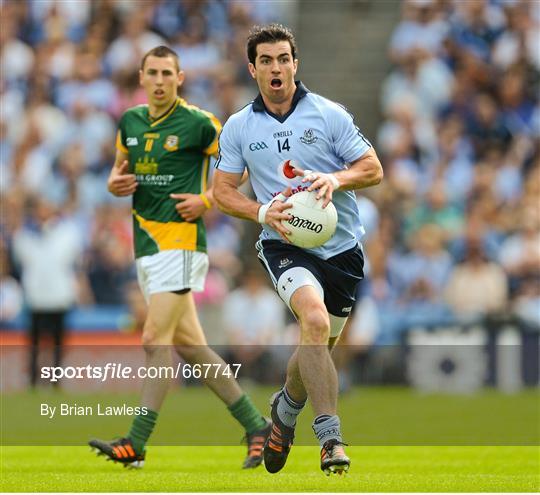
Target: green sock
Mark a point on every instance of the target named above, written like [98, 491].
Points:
[245, 412]
[141, 429]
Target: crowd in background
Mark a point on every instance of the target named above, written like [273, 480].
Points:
[453, 233]
[69, 70]
[458, 232]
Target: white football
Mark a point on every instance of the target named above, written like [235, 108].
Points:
[310, 225]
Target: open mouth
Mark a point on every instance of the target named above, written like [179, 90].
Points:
[159, 92]
[276, 83]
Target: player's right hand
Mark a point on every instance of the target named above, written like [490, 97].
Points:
[120, 182]
[277, 214]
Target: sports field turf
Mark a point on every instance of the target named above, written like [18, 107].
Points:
[214, 469]
[193, 417]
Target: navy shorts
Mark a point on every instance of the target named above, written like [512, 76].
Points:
[338, 276]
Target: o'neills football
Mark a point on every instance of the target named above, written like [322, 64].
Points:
[310, 225]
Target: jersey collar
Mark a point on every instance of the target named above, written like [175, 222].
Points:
[163, 116]
[300, 92]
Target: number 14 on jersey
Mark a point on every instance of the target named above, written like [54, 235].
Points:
[283, 145]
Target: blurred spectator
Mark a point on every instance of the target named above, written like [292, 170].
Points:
[423, 79]
[436, 210]
[358, 337]
[517, 106]
[128, 92]
[110, 256]
[475, 25]
[527, 303]
[11, 294]
[16, 57]
[427, 265]
[224, 242]
[521, 38]
[47, 251]
[200, 59]
[520, 253]
[254, 319]
[486, 126]
[422, 27]
[477, 287]
[416, 280]
[110, 272]
[87, 85]
[136, 38]
[32, 160]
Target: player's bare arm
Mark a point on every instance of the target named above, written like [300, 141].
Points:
[365, 172]
[232, 202]
[121, 182]
[192, 206]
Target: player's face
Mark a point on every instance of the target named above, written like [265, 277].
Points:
[274, 71]
[161, 79]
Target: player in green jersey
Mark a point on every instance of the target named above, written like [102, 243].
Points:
[162, 154]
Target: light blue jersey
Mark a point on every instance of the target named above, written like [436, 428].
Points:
[317, 134]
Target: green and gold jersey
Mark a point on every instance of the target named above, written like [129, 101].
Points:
[167, 155]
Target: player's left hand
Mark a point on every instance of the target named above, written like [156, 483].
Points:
[324, 184]
[189, 206]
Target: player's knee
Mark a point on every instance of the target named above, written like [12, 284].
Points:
[153, 336]
[150, 341]
[315, 325]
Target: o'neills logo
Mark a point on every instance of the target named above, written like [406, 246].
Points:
[302, 223]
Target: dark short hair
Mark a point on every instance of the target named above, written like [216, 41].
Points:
[269, 34]
[161, 52]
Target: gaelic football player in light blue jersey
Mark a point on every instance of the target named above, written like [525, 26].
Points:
[290, 139]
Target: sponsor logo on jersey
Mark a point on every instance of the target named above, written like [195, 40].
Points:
[147, 166]
[286, 170]
[154, 180]
[294, 190]
[308, 137]
[171, 143]
[257, 146]
[284, 262]
[347, 309]
[132, 141]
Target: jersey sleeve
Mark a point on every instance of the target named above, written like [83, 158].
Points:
[121, 144]
[230, 150]
[210, 134]
[349, 142]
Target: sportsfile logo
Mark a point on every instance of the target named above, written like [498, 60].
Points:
[303, 223]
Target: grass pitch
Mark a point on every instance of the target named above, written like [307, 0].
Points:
[391, 417]
[217, 469]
